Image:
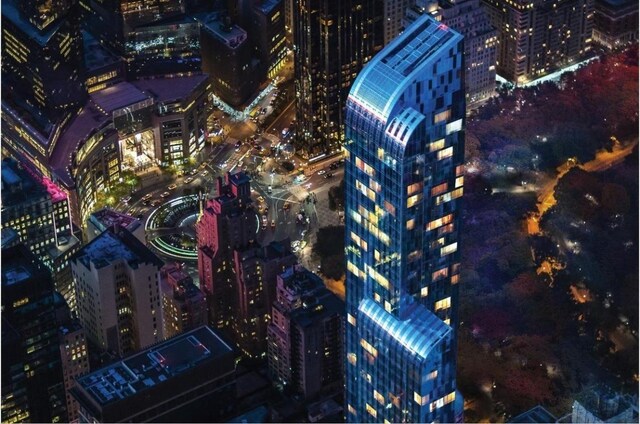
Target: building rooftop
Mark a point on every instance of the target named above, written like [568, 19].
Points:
[154, 366]
[9, 237]
[420, 332]
[82, 126]
[378, 87]
[20, 184]
[10, 10]
[118, 96]
[107, 217]
[168, 89]
[115, 244]
[231, 35]
[267, 6]
[537, 414]
[95, 55]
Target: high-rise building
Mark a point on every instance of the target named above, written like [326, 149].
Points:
[394, 16]
[117, 292]
[188, 378]
[153, 36]
[184, 306]
[305, 336]
[33, 388]
[332, 40]
[470, 19]
[227, 222]
[268, 32]
[256, 269]
[39, 212]
[539, 36]
[403, 177]
[615, 22]
[42, 58]
[228, 57]
[75, 362]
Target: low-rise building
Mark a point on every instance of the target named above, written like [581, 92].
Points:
[105, 218]
[188, 378]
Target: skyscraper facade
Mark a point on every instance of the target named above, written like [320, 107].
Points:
[227, 222]
[305, 335]
[538, 36]
[405, 142]
[332, 41]
[117, 292]
[470, 19]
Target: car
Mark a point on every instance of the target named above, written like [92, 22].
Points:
[329, 175]
[172, 187]
[269, 190]
[165, 194]
[155, 203]
[146, 202]
[238, 143]
[147, 196]
[188, 180]
[126, 199]
[194, 171]
[260, 199]
[321, 172]
[202, 165]
[273, 224]
[204, 173]
[264, 221]
[286, 206]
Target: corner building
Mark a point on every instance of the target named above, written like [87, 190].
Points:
[405, 142]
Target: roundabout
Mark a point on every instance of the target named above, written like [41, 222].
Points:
[170, 228]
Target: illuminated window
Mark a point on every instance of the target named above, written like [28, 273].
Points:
[439, 222]
[352, 358]
[442, 401]
[442, 116]
[424, 292]
[380, 153]
[370, 349]
[420, 400]
[411, 201]
[441, 273]
[378, 396]
[454, 126]
[448, 249]
[455, 279]
[371, 411]
[410, 224]
[387, 306]
[377, 277]
[414, 188]
[351, 409]
[443, 304]
[364, 167]
[440, 188]
[436, 145]
[374, 185]
[351, 319]
[445, 153]
[432, 375]
[459, 182]
[390, 208]
[459, 170]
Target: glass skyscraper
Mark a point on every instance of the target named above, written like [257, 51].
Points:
[405, 142]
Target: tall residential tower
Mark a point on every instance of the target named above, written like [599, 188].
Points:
[405, 141]
[332, 40]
